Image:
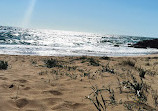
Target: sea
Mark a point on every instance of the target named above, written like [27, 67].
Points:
[42, 42]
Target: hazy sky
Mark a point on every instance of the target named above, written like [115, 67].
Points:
[123, 17]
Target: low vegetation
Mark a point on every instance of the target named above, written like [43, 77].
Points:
[93, 62]
[129, 63]
[105, 58]
[142, 73]
[52, 63]
[101, 98]
[3, 65]
[108, 69]
[129, 85]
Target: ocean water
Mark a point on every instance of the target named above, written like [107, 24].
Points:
[19, 41]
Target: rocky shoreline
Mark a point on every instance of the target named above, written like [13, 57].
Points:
[146, 44]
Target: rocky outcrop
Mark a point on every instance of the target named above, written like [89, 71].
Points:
[147, 44]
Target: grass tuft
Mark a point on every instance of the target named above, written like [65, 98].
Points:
[3, 65]
[93, 62]
[129, 63]
[105, 58]
[52, 63]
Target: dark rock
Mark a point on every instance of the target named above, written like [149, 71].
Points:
[116, 45]
[147, 44]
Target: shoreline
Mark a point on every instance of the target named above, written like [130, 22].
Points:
[145, 55]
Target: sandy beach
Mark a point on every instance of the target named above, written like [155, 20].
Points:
[78, 55]
[40, 83]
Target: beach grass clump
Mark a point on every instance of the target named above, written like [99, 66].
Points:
[151, 73]
[155, 97]
[129, 106]
[72, 76]
[112, 96]
[34, 62]
[105, 58]
[137, 106]
[96, 97]
[99, 98]
[108, 69]
[147, 64]
[86, 74]
[69, 68]
[140, 89]
[93, 62]
[52, 63]
[83, 57]
[3, 65]
[154, 57]
[142, 72]
[129, 63]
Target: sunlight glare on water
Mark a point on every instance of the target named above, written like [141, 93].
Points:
[19, 41]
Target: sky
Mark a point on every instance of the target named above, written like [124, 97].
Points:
[120, 17]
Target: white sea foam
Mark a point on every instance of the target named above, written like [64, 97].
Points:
[19, 41]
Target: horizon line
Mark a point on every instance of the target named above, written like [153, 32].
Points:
[78, 31]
